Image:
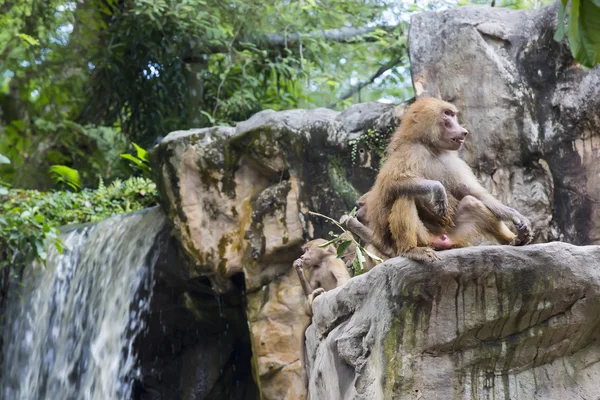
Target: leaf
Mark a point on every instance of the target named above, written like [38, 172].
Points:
[343, 247]
[589, 28]
[373, 256]
[141, 153]
[29, 39]
[69, 176]
[4, 159]
[357, 266]
[353, 212]
[560, 29]
[332, 241]
[59, 245]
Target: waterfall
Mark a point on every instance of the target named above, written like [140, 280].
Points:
[70, 326]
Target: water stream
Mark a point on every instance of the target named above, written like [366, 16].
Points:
[70, 326]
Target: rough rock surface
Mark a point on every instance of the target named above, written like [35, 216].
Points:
[482, 323]
[533, 112]
[238, 199]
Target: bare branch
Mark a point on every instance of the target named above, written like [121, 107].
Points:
[277, 40]
[361, 85]
[341, 35]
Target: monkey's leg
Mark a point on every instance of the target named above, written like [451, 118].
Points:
[475, 221]
[411, 238]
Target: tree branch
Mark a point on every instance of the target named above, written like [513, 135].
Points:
[342, 35]
[361, 85]
[277, 40]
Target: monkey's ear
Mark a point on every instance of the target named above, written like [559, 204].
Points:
[414, 117]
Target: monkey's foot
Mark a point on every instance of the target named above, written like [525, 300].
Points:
[426, 254]
[524, 235]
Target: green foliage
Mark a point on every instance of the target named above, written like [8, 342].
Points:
[342, 243]
[29, 219]
[583, 30]
[3, 185]
[140, 160]
[199, 62]
[66, 175]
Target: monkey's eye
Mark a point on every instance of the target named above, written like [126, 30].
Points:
[449, 113]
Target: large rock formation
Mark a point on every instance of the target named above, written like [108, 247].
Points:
[493, 322]
[533, 111]
[238, 202]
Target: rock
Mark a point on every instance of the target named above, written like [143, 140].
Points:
[484, 322]
[533, 112]
[238, 201]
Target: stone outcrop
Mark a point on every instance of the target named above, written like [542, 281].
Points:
[238, 200]
[482, 323]
[533, 112]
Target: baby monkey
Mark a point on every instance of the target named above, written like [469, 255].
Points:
[319, 270]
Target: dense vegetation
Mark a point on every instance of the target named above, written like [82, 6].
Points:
[80, 81]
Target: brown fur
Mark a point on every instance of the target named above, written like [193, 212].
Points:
[322, 269]
[407, 207]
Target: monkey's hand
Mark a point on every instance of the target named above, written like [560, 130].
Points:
[314, 294]
[440, 200]
[344, 220]
[524, 232]
[298, 264]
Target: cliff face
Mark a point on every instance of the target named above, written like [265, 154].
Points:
[238, 202]
[484, 321]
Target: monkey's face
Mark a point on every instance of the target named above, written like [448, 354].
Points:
[313, 254]
[361, 212]
[452, 134]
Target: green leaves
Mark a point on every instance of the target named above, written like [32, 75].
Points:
[66, 175]
[583, 30]
[140, 161]
[28, 39]
[3, 185]
[29, 219]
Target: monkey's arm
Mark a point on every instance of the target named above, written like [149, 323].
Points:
[413, 187]
[355, 226]
[303, 281]
[364, 233]
[340, 274]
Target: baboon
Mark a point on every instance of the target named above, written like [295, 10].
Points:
[426, 197]
[324, 271]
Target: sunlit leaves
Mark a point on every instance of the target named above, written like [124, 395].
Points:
[28, 219]
[66, 175]
[28, 39]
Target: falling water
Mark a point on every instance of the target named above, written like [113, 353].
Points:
[70, 327]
